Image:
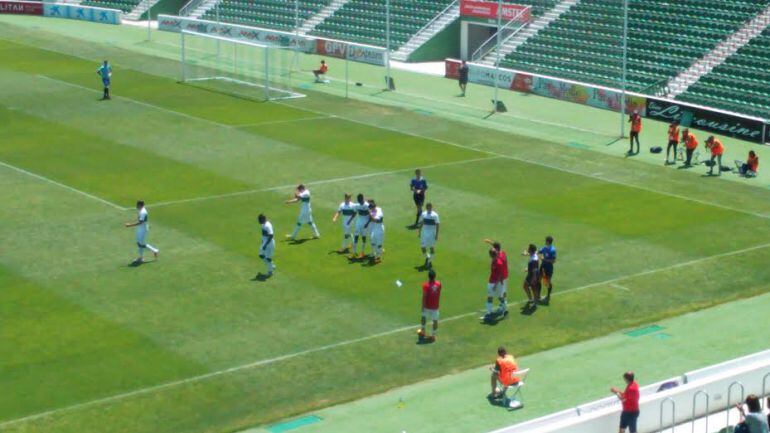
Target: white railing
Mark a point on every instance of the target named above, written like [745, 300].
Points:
[435, 19]
[189, 7]
[487, 46]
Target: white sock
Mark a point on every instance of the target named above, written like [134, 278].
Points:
[489, 308]
[152, 248]
[503, 305]
[315, 230]
[296, 230]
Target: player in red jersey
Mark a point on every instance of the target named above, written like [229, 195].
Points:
[495, 287]
[504, 257]
[431, 293]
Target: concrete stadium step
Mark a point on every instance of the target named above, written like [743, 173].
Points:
[311, 23]
[530, 31]
[751, 29]
[434, 27]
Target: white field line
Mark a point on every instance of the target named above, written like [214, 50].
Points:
[319, 182]
[61, 185]
[541, 164]
[268, 361]
[278, 122]
[618, 286]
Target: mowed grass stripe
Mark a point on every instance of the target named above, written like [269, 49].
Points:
[549, 323]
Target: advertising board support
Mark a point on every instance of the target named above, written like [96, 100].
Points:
[388, 80]
[497, 54]
[149, 21]
[625, 71]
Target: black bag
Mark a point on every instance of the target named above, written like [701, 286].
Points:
[741, 428]
[656, 149]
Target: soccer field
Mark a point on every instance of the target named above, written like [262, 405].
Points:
[193, 343]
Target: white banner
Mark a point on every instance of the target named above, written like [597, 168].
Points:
[83, 13]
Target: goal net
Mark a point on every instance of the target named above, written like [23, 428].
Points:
[245, 69]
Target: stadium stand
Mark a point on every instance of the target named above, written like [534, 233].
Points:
[123, 5]
[664, 38]
[740, 84]
[364, 20]
[272, 14]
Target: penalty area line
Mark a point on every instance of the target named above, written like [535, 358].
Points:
[268, 361]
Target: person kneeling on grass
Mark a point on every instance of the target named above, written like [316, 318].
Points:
[503, 373]
[717, 150]
[750, 167]
[320, 71]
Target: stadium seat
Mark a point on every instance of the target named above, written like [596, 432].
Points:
[271, 14]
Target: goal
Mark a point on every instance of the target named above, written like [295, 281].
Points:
[241, 68]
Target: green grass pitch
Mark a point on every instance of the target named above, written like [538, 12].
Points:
[190, 343]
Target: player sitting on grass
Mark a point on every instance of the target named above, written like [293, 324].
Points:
[268, 244]
[302, 195]
[431, 293]
[502, 373]
[495, 287]
[362, 223]
[320, 71]
[348, 211]
[105, 72]
[142, 227]
[377, 230]
[429, 225]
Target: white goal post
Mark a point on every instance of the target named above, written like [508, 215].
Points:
[242, 68]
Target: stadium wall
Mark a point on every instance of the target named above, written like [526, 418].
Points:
[704, 118]
[21, 8]
[439, 47]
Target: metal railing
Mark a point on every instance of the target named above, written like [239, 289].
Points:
[729, 398]
[673, 413]
[694, 403]
[487, 46]
[189, 7]
[435, 19]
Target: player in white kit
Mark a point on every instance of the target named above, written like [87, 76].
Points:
[429, 225]
[142, 227]
[348, 211]
[362, 221]
[302, 195]
[377, 227]
[267, 249]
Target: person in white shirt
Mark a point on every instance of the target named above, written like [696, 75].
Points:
[378, 230]
[429, 226]
[267, 249]
[142, 227]
[348, 211]
[302, 195]
[361, 230]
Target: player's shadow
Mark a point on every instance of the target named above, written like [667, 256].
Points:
[137, 263]
[412, 227]
[424, 342]
[338, 252]
[685, 167]
[261, 277]
[421, 268]
[528, 310]
[368, 262]
[297, 241]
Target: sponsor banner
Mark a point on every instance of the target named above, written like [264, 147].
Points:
[488, 10]
[334, 49]
[21, 8]
[452, 69]
[599, 97]
[366, 54]
[245, 33]
[82, 13]
[715, 121]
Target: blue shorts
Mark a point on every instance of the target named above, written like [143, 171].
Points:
[106, 82]
[628, 420]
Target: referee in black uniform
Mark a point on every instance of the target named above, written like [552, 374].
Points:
[418, 185]
[463, 77]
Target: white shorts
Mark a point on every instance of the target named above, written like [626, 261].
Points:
[361, 230]
[346, 228]
[428, 240]
[141, 237]
[305, 217]
[378, 236]
[268, 251]
[496, 290]
[430, 314]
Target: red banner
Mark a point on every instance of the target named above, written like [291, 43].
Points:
[331, 48]
[21, 8]
[488, 9]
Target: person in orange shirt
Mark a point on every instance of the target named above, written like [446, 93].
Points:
[717, 150]
[636, 127]
[690, 144]
[502, 373]
[750, 167]
[320, 71]
[673, 140]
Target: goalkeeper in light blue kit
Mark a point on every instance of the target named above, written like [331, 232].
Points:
[105, 72]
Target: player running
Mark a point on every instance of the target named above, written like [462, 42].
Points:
[431, 292]
[142, 227]
[547, 259]
[362, 222]
[348, 211]
[429, 226]
[302, 195]
[495, 287]
[105, 72]
[418, 185]
[267, 249]
[377, 230]
[532, 280]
